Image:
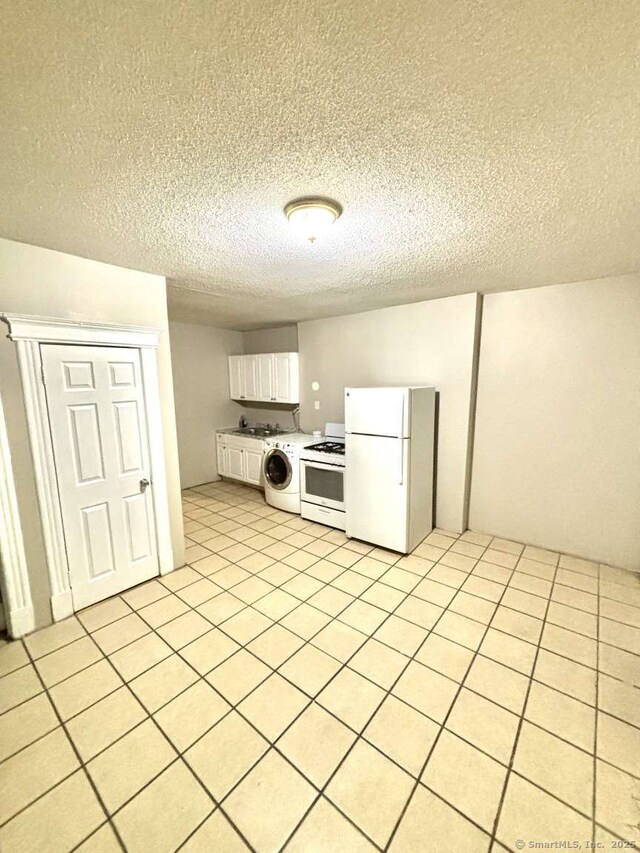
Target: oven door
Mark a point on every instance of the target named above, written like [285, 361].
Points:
[322, 484]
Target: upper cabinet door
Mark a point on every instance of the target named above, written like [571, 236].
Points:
[236, 377]
[285, 386]
[250, 370]
[265, 377]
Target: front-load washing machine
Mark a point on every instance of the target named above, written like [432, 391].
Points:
[281, 469]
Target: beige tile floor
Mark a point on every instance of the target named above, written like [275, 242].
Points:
[293, 690]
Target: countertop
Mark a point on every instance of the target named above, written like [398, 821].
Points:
[234, 431]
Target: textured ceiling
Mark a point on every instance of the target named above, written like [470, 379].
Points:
[473, 145]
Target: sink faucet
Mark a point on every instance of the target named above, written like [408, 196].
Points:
[242, 423]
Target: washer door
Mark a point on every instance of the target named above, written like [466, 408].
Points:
[277, 469]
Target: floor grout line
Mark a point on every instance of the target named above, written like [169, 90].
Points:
[388, 692]
[517, 738]
[203, 675]
[343, 664]
[442, 728]
[594, 801]
[82, 767]
[169, 592]
[273, 744]
[310, 641]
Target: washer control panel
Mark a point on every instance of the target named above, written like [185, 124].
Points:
[291, 448]
[280, 445]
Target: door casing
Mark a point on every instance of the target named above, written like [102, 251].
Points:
[14, 578]
[29, 333]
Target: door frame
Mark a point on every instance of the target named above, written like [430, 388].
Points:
[14, 579]
[29, 333]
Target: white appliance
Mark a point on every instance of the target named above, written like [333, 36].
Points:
[281, 470]
[322, 467]
[389, 465]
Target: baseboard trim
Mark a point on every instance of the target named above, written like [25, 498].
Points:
[62, 605]
[21, 622]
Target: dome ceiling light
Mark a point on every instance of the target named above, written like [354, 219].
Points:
[311, 217]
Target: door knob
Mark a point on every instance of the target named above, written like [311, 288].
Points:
[143, 484]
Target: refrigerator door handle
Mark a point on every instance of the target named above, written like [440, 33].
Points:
[401, 474]
[401, 433]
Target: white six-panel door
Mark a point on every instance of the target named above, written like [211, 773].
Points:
[98, 424]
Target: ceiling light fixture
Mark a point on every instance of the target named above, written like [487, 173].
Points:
[311, 217]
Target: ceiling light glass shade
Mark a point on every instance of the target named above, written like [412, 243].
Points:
[311, 217]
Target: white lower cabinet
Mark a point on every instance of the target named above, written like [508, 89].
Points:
[253, 466]
[235, 463]
[240, 457]
[222, 456]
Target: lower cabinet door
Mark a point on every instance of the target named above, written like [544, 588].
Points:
[253, 466]
[222, 460]
[235, 462]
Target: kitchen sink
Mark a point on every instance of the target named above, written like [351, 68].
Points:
[259, 432]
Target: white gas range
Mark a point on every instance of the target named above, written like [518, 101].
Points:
[322, 469]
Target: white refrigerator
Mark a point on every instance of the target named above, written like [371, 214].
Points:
[389, 437]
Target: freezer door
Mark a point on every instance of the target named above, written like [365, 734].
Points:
[377, 411]
[376, 490]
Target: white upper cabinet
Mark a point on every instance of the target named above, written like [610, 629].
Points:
[236, 378]
[285, 373]
[250, 370]
[265, 378]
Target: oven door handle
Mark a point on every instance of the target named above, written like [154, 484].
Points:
[324, 466]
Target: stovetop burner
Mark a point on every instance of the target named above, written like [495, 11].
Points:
[327, 447]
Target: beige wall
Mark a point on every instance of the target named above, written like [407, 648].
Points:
[426, 343]
[281, 339]
[51, 284]
[201, 388]
[557, 447]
